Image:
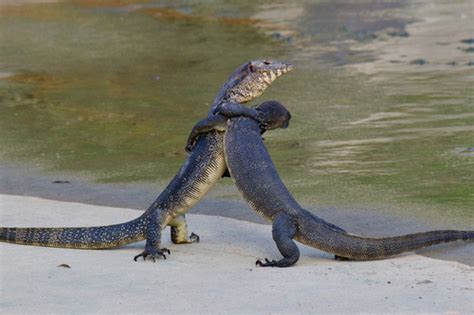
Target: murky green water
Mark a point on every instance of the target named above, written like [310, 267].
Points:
[113, 90]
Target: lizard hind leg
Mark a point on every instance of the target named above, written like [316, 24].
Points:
[179, 231]
[283, 231]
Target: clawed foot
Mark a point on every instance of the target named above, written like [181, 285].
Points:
[156, 253]
[190, 146]
[267, 263]
[194, 238]
[336, 257]
[192, 140]
[261, 120]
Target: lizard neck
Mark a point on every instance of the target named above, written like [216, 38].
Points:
[234, 79]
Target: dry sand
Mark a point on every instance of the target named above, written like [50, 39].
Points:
[217, 275]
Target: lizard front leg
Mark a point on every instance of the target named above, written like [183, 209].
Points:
[219, 119]
[215, 122]
[231, 109]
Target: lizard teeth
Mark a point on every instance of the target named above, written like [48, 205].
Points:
[273, 76]
[266, 79]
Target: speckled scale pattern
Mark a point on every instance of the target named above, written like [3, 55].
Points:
[318, 234]
[82, 237]
[203, 167]
[257, 179]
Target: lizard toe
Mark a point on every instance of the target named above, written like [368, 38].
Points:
[194, 238]
[267, 263]
[153, 254]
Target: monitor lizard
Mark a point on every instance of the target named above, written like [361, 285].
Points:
[201, 170]
[256, 177]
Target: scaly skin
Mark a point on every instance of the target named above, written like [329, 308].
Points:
[201, 170]
[255, 175]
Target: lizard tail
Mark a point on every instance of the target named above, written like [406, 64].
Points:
[360, 248]
[357, 247]
[96, 237]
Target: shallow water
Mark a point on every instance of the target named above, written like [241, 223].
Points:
[111, 89]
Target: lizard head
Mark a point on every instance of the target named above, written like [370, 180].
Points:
[252, 78]
[274, 114]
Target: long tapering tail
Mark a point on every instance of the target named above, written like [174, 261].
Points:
[323, 236]
[96, 237]
[360, 248]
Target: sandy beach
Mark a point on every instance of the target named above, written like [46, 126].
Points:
[216, 275]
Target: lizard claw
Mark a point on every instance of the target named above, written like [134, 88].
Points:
[189, 147]
[263, 126]
[194, 238]
[261, 118]
[262, 121]
[153, 254]
[340, 258]
[267, 263]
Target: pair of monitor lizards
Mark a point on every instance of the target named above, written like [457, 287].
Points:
[228, 143]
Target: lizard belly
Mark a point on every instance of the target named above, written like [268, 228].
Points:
[202, 169]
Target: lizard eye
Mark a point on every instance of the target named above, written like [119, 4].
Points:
[267, 62]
